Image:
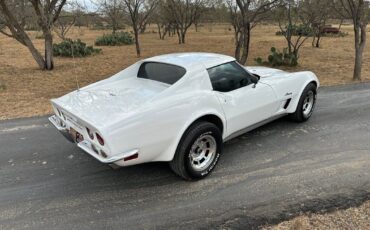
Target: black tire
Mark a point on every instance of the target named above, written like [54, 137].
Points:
[300, 115]
[182, 163]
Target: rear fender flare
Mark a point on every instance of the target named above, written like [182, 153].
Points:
[170, 153]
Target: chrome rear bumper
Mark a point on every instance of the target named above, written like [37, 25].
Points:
[62, 129]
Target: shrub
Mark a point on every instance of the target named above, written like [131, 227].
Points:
[259, 61]
[77, 48]
[338, 35]
[117, 39]
[277, 58]
[297, 30]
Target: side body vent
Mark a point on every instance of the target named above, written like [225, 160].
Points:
[287, 103]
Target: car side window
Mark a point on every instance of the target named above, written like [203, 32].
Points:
[228, 77]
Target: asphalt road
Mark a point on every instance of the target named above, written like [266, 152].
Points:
[267, 175]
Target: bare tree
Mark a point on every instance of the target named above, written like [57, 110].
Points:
[294, 28]
[63, 25]
[215, 12]
[162, 20]
[146, 17]
[113, 12]
[244, 15]
[315, 13]
[358, 11]
[47, 12]
[80, 14]
[139, 12]
[184, 13]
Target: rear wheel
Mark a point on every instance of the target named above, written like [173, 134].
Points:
[198, 151]
[306, 104]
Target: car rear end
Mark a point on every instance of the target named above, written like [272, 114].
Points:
[80, 131]
[89, 116]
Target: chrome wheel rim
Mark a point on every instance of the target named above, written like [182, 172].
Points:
[308, 104]
[203, 152]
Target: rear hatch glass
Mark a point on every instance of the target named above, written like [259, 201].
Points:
[161, 72]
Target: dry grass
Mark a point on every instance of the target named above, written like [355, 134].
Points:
[28, 89]
[352, 218]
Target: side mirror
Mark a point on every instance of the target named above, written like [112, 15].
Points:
[255, 79]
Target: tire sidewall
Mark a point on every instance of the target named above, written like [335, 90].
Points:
[213, 131]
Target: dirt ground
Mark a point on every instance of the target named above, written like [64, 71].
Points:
[28, 90]
[352, 218]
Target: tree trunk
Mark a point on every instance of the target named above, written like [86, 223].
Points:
[318, 40]
[360, 41]
[159, 31]
[316, 35]
[179, 37]
[49, 62]
[238, 45]
[178, 34]
[35, 53]
[183, 34]
[314, 40]
[358, 66]
[246, 41]
[289, 29]
[138, 52]
[164, 33]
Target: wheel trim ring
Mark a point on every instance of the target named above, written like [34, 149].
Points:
[308, 104]
[202, 152]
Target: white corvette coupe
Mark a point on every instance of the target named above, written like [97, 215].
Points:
[179, 108]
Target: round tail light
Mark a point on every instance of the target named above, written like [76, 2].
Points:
[100, 139]
[91, 135]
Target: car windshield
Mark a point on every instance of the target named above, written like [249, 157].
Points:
[161, 72]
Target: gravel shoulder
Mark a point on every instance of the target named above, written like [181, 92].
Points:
[351, 218]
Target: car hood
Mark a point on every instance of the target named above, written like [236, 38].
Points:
[105, 102]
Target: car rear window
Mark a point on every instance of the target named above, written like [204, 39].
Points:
[162, 72]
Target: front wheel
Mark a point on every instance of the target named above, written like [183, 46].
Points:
[198, 151]
[306, 104]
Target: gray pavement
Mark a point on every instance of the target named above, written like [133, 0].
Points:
[267, 175]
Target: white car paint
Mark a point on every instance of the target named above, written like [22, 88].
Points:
[142, 116]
